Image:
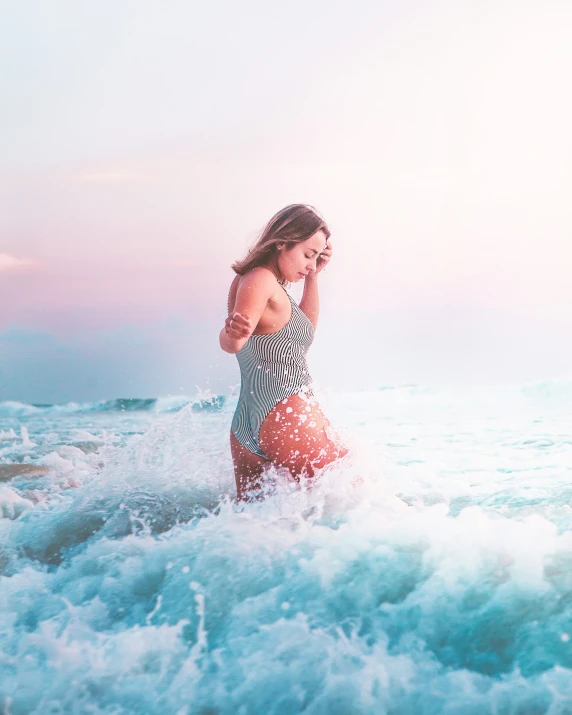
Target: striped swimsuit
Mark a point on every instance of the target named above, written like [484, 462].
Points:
[272, 367]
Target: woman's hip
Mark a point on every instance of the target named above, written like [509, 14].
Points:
[297, 434]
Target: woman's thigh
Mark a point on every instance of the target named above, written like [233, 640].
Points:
[248, 468]
[294, 434]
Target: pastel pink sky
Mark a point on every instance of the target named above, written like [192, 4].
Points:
[155, 147]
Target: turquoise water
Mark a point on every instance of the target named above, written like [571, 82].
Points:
[431, 572]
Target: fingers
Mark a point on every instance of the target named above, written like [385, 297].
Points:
[239, 322]
[238, 326]
[239, 319]
[323, 259]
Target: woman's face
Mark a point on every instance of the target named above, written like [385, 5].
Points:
[296, 262]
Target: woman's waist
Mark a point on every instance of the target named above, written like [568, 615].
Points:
[275, 352]
[269, 361]
[271, 374]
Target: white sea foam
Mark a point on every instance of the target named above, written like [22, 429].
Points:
[427, 572]
[11, 503]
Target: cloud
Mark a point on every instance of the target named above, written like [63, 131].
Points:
[7, 262]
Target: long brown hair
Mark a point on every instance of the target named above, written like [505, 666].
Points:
[293, 224]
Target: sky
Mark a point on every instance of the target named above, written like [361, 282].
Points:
[144, 146]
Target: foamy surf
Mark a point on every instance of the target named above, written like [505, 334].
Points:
[428, 573]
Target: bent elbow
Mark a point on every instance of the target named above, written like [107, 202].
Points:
[231, 349]
[226, 348]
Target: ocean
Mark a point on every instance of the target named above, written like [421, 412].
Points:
[428, 573]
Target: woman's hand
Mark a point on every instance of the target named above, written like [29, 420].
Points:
[324, 257]
[237, 326]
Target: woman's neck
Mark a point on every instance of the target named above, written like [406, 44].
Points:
[273, 267]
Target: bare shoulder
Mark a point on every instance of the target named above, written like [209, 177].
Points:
[259, 278]
[259, 282]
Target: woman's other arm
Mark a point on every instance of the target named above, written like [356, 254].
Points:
[310, 302]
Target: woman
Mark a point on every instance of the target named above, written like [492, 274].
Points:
[277, 419]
